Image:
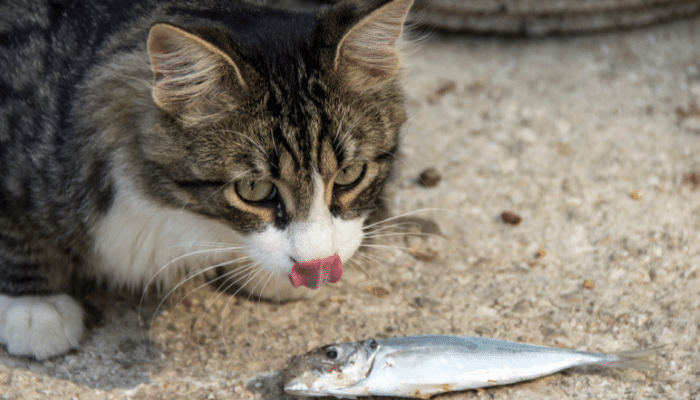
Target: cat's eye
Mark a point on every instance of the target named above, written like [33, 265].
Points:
[255, 190]
[350, 174]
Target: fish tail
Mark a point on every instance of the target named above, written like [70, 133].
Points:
[635, 359]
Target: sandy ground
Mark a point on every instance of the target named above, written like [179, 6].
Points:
[594, 141]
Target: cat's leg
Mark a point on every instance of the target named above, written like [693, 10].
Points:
[40, 326]
[37, 318]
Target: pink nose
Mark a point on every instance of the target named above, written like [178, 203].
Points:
[314, 273]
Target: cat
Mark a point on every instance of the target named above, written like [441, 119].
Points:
[145, 141]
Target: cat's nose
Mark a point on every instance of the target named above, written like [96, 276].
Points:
[314, 273]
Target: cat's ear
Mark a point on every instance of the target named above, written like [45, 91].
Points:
[193, 78]
[368, 54]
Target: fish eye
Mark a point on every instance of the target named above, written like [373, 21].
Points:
[373, 344]
[331, 354]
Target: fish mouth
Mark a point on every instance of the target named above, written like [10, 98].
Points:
[315, 273]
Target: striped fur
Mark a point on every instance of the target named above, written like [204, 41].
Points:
[121, 147]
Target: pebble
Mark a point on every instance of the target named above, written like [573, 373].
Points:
[430, 177]
[511, 218]
[377, 291]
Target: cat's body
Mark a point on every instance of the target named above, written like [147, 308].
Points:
[143, 141]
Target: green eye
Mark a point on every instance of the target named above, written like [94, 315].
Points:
[350, 174]
[255, 191]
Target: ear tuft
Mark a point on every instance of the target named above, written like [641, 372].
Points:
[189, 74]
[369, 55]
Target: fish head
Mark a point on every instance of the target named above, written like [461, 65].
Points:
[328, 368]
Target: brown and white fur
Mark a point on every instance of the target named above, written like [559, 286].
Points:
[144, 142]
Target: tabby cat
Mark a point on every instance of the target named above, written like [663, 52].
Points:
[142, 141]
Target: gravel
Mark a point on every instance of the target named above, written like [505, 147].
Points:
[580, 136]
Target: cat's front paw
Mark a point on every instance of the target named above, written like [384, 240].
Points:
[40, 326]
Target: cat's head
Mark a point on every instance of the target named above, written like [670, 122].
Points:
[285, 130]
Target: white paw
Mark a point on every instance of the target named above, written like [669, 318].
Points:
[40, 326]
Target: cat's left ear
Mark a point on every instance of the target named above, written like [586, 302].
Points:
[368, 54]
[193, 78]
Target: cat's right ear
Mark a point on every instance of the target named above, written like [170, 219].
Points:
[367, 54]
[192, 76]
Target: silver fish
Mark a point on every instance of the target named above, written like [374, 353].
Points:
[422, 366]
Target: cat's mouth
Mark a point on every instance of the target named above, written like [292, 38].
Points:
[314, 273]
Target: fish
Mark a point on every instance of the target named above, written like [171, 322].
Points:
[426, 365]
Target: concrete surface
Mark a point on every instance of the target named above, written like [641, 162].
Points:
[594, 141]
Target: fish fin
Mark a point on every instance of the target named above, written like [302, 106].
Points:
[637, 359]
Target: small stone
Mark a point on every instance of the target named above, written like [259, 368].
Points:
[377, 291]
[511, 218]
[425, 301]
[423, 256]
[444, 89]
[541, 252]
[636, 194]
[430, 177]
[692, 179]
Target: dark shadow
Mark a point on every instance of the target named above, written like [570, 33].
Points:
[268, 387]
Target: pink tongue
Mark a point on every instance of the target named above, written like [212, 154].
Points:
[313, 274]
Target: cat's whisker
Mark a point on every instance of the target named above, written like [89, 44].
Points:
[454, 247]
[260, 298]
[387, 227]
[251, 291]
[257, 264]
[407, 214]
[402, 234]
[387, 247]
[238, 272]
[274, 144]
[231, 249]
[243, 273]
[215, 245]
[230, 181]
[363, 257]
[203, 270]
[249, 271]
[211, 250]
[405, 164]
[352, 126]
[235, 294]
[375, 149]
[378, 260]
[251, 140]
[340, 123]
[184, 205]
[210, 268]
[205, 283]
[190, 277]
[242, 286]
[162, 301]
